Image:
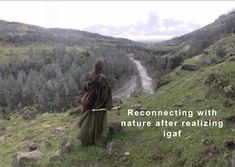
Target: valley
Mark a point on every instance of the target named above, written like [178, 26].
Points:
[39, 86]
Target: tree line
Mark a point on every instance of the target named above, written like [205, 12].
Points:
[52, 80]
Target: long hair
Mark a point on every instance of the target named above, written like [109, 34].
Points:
[98, 68]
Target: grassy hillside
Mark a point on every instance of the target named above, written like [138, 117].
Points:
[23, 34]
[178, 49]
[217, 52]
[147, 147]
[16, 39]
[135, 146]
[196, 41]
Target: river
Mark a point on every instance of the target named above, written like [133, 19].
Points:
[129, 88]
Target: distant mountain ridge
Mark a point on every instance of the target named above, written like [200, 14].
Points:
[21, 34]
[167, 55]
[195, 42]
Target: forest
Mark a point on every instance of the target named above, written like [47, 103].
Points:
[52, 80]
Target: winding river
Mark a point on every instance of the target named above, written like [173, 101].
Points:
[129, 88]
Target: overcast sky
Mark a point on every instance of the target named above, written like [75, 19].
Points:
[134, 20]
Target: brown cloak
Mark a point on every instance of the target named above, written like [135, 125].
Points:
[93, 125]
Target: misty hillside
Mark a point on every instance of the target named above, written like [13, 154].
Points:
[24, 34]
[173, 52]
[196, 41]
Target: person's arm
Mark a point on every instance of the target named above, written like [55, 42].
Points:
[109, 101]
[104, 95]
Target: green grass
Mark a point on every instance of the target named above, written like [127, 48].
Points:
[9, 50]
[22, 52]
[227, 44]
[147, 147]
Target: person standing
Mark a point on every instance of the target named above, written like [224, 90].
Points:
[93, 124]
